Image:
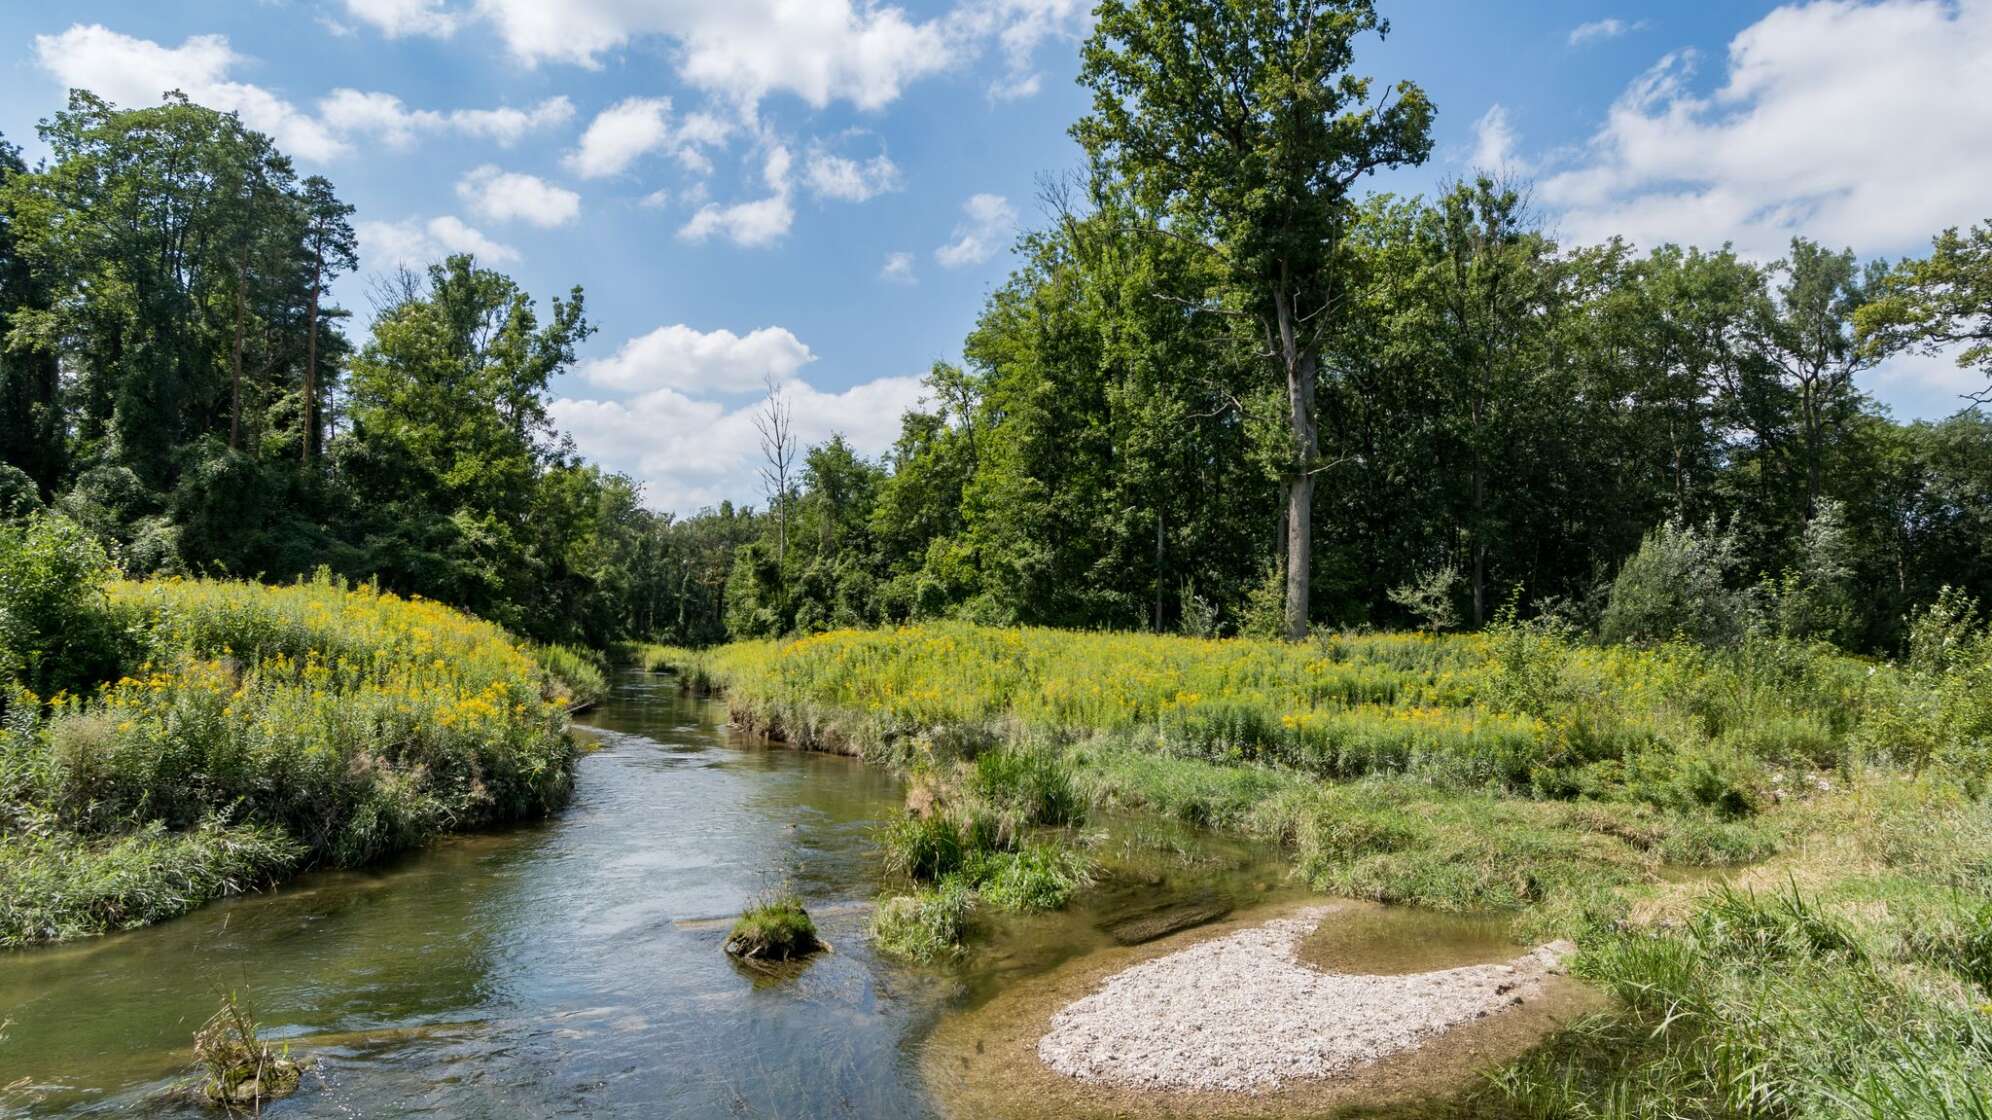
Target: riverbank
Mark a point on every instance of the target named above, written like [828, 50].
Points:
[1607, 795]
[235, 733]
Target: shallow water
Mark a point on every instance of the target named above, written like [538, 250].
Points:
[573, 967]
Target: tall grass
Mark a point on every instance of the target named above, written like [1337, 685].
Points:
[1845, 974]
[256, 730]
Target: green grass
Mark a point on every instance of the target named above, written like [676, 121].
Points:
[253, 731]
[776, 928]
[927, 924]
[1777, 859]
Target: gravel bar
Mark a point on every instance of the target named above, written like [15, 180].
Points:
[1240, 1014]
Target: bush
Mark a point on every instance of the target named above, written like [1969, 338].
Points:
[1027, 786]
[57, 632]
[1676, 586]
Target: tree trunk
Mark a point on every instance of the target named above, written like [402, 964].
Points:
[235, 365]
[311, 361]
[1300, 370]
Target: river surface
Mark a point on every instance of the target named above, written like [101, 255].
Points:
[567, 968]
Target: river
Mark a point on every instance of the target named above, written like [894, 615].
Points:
[574, 967]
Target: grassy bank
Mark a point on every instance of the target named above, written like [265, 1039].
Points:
[241, 732]
[1779, 858]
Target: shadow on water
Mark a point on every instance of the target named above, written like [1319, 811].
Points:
[573, 967]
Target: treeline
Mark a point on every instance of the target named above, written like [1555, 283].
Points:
[1155, 425]
[1499, 415]
[175, 379]
[1223, 393]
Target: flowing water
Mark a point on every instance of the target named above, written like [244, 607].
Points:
[574, 967]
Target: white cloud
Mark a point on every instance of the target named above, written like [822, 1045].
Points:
[405, 17]
[679, 357]
[636, 126]
[504, 196]
[898, 269]
[692, 452]
[655, 200]
[1494, 143]
[382, 115]
[1584, 34]
[989, 221]
[129, 71]
[849, 180]
[821, 51]
[1862, 124]
[413, 243]
[756, 224]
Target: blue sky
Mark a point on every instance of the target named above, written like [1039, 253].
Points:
[824, 191]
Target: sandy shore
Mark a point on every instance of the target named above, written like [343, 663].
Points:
[1240, 1014]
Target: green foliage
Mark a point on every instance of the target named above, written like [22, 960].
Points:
[1677, 586]
[56, 885]
[928, 924]
[581, 675]
[57, 631]
[259, 729]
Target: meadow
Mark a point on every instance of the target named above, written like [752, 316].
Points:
[237, 733]
[1777, 857]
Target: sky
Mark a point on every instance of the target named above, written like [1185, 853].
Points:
[824, 192]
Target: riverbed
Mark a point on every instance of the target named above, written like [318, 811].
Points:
[573, 967]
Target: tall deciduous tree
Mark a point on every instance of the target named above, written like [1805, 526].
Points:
[1240, 120]
[1938, 303]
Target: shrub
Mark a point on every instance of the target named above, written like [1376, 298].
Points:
[1676, 586]
[57, 632]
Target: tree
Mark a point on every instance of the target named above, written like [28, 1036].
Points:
[775, 423]
[1938, 303]
[1239, 120]
[451, 439]
[329, 240]
[31, 428]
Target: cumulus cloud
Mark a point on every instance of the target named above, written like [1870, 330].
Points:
[840, 177]
[504, 196]
[694, 451]
[1597, 31]
[988, 221]
[1862, 124]
[413, 243]
[898, 269]
[682, 358]
[130, 71]
[383, 116]
[395, 18]
[756, 224]
[637, 126]
[856, 51]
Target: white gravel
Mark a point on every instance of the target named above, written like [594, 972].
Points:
[1240, 1014]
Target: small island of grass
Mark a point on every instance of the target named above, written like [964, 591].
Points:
[774, 929]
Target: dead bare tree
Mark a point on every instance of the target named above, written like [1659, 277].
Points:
[776, 423]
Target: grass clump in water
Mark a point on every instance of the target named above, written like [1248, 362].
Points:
[241, 1071]
[776, 928]
[927, 924]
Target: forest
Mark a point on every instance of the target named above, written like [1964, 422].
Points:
[1495, 417]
